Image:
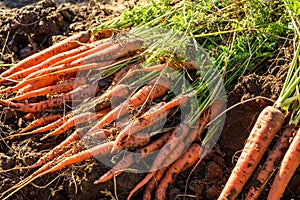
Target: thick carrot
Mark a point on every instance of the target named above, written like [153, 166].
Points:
[76, 120]
[63, 87]
[128, 160]
[65, 45]
[267, 125]
[156, 88]
[271, 163]
[41, 121]
[153, 183]
[288, 166]
[187, 160]
[170, 152]
[87, 90]
[150, 117]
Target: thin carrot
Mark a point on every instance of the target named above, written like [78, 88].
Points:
[128, 160]
[49, 79]
[41, 121]
[67, 44]
[267, 125]
[156, 88]
[271, 163]
[288, 166]
[111, 53]
[63, 87]
[150, 117]
[50, 62]
[88, 90]
[76, 120]
[153, 183]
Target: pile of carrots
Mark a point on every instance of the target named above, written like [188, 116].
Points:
[99, 91]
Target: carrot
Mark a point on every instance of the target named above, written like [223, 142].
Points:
[41, 121]
[155, 89]
[103, 101]
[153, 182]
[175, 144]
[150, 117]
[268, 123]
[288, 166]
[272, 161]
[49, 79]
[88, 90]
[50, 126]
[65, 45]
[76, 120]
[129, 159]
[66, 86]
[187, 160]
[50, 62]
[111, 53]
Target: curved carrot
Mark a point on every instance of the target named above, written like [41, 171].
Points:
[288, 166]
[156, 88]
[272, 161]
[29, 116]
[267, 125]
[63, 87]
[67, 44]
[187, 160]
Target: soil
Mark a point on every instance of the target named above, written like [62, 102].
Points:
[27, 26]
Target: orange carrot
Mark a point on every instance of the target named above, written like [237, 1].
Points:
[41, 121]
[128, 160]
[65, 45]
[111, 53]
[50, 62]
[187, 160]
[76, 120]
[150, 117]
[63, 87]
[156, 88]
[153, 183]
[170, 152]
[288, 166]
[49, 79]
[271, 163]
[88, 90]
[267, 125]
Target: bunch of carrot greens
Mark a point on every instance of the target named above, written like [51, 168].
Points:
[153, 71]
